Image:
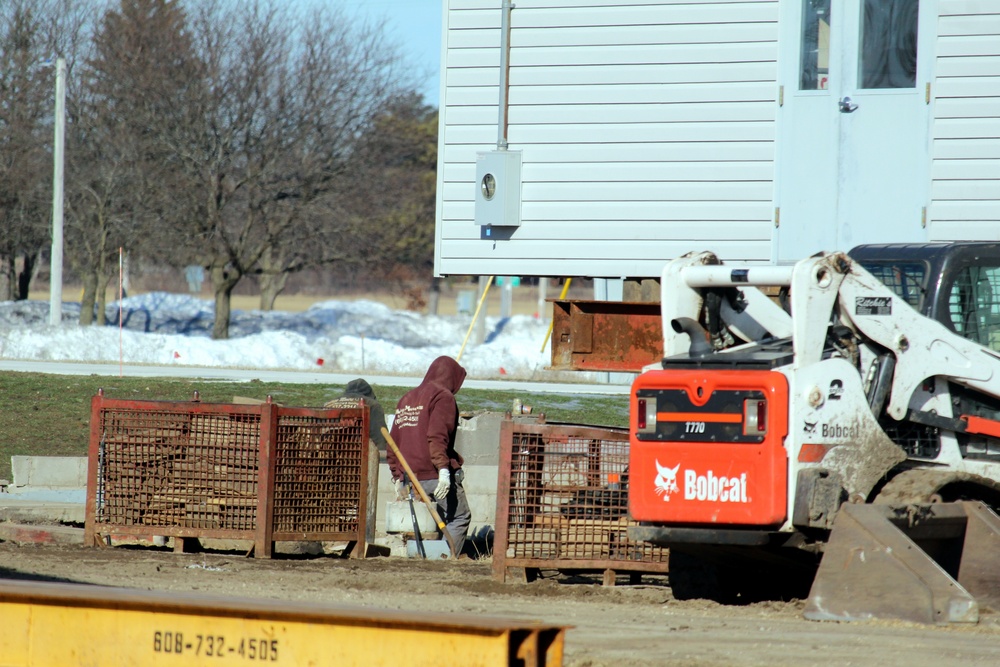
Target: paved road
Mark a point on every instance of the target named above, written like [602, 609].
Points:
[292, 377]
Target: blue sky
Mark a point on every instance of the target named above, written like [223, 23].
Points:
[416, 26]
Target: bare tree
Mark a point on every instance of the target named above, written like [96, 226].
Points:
[342, 78]
[221, 133]
[116, 199]
[100, 207]
[32, 34]
[25, 104]
[397, 154]
[282, 102]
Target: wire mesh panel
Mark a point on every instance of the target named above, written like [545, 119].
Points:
[321, 469]
[164, 465]
[214, 470]
[562, 501]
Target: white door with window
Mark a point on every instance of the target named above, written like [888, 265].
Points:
[854, 124]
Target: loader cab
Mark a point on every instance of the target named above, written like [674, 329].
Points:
[957, 284]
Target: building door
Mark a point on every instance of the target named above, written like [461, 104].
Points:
[854, 124]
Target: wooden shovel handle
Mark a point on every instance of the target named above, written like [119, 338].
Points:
[420, 489]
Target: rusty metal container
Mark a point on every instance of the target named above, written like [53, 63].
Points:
[562, 502]
[259, 472]
[605, 335]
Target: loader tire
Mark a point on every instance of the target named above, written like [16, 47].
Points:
[692, 577]
[741, 576]
[936, 486]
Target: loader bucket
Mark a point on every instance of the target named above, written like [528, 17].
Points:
[922, 563]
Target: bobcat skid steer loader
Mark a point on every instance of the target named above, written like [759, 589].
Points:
[841, 414]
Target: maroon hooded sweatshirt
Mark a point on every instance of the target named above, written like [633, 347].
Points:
[425, 423]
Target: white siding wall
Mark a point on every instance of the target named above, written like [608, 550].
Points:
[965, 150]
[646, 127]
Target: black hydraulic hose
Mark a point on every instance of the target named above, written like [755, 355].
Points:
[700, 346]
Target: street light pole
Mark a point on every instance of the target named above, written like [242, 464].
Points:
[55, 271]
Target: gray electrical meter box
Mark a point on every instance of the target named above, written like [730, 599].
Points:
[498, 189]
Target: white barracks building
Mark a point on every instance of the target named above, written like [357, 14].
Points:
[601, 138]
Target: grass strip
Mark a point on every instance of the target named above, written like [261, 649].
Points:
[49, 415]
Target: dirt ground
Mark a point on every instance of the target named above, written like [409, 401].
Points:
[625, 625]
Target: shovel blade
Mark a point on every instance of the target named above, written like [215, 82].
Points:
[434, 549]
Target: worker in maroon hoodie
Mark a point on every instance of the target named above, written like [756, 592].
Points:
[424, 430]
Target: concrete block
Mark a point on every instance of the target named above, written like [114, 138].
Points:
[478, 438]
[481, 492]
[116, 540]
[13, 509]
[49, 471]
[399, 520]
[27, 534]
[222, 544]
[394, 545]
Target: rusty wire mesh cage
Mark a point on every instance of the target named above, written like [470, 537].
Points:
[562, 501]
[162, 467]
[318, 475]
[258, 472]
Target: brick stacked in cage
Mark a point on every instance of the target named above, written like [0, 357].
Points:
[318, 474]
[248, 471]
[165, 468]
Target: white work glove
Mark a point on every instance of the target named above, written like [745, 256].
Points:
[400, 487]
[444, 484]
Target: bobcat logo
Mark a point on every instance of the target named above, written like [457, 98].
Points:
[666, 481]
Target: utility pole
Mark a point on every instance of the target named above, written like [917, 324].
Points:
[56, 256]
